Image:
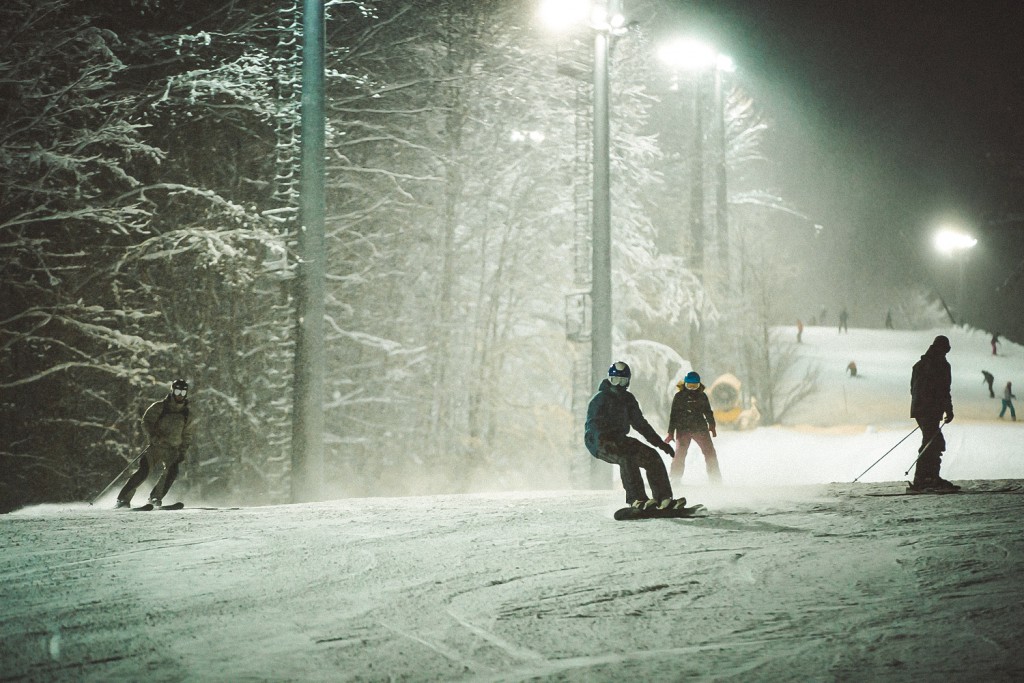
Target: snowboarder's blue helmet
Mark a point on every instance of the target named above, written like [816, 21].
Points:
[619, 374]
[691, 378]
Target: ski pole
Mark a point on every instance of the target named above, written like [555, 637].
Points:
[887, 453]
[118, 477]
[923, 449]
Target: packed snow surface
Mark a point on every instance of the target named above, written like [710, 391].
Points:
[797, 575]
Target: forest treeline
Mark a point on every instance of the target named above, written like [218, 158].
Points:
[148, 194]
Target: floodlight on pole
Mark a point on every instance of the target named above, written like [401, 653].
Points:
[560, 15]
[950, 240]
[700, 58]
[954, 242]
[689, 54]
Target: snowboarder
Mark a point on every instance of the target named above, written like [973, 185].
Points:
[930, 404]
[1008, 402]
[170, 426]
[988, 379]
[612, 411]
[692, 419]
[843, 317]
[995, 342]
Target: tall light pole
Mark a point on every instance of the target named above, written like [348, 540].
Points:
[699, 58]
[308, 404]
[951, 241]
[723, 65]
[601, 257]
[606, 21]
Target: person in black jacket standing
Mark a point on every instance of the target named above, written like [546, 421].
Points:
[612, 411]
[932, 406]
[692, 420]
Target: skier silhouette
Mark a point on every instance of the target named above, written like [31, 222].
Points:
[988, 379]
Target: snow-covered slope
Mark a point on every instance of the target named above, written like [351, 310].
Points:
[789, 579]
[880, 394]
[817, 583]
[852, 421]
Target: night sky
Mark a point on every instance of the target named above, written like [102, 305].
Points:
[890, 117]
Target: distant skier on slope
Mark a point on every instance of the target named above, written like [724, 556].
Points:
[692, 419]
[612, 411]
[170, 426]
[930, 403]
[988, 378]
[1008, 402]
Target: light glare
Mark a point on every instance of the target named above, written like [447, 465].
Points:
[948, 241]
[688, 54]
[563, 14]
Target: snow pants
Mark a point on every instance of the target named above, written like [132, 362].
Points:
[155, 456]
[631, 456]
[930, 453]
[707, 447]
[1008, 404]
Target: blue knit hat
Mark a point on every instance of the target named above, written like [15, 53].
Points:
[691, 378]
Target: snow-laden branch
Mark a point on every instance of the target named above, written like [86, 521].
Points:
[113, 370]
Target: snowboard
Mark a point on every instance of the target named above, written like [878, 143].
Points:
[698, 510]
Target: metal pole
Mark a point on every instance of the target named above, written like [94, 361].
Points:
[601, 274]
[308, 417]
[697, 216]
[721, 184]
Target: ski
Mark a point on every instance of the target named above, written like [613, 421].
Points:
[630, 513]
[149, 506]
[909, 492]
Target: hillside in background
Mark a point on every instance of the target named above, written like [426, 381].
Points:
[880, 393]
[836, 434]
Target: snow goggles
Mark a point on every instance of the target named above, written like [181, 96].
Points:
[692, 385]
[180, 392]
[617, 381]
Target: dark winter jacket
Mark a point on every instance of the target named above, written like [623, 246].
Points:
[930, 386]
[170, 425]
[691, 411]
[611, 413]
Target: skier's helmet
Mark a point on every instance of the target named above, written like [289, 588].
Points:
[692, 380]
[179, 387]
[619, 374]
